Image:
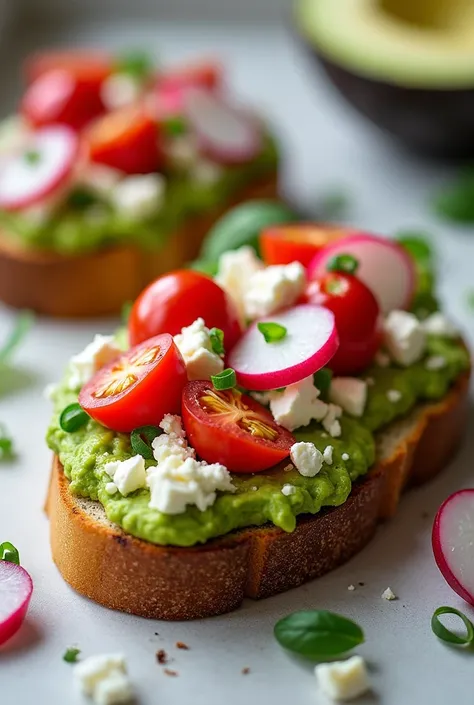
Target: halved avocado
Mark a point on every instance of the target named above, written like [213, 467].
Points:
[408, 65]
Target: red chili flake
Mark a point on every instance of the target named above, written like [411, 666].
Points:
[169, 672]
[162, 656]
[182, 645]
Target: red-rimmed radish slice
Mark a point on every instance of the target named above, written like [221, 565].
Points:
[310, 342]
[384, 267]
[43, 166]
[16, 587]
[224, 133]
[453, 547]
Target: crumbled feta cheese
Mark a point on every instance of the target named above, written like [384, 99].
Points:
[263, 397]
[345, 457]
[85, 364]
[89, 672]
[128, 475]
[170, 445]
[273, 288]
[288, 490]
[382, 359]
[298, 405]
[405, 337]
[350, 393]
[205, 172]
[235, 269]
[139, 196]
[331, 421]
[394, 395]
[388, 594]
[351, 588]
[327, 455]
[119, 90]
[435, 362]
[99, 178]
[116, 689]
[343, 680]
[307, 459]
[438, 324]
[194, 344]
[175, 484]
[172, 424]
[111, 488]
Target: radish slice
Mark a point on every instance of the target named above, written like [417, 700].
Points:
[384, 267]
[453, 543]
[16, 587]
[43, 166]
[310, 342]
[224, 133]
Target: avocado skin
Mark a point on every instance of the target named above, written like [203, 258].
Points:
[432, 122]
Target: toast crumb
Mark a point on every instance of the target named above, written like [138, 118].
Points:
[161, 656]
[245, 671]
[182, 645]
[169, 672]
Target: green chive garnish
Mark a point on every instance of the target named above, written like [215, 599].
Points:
[71, 654]
[72, 418]
[272, 332]
[224, 380]
[9, 553]
[141, 439]
[175, 126]
[322, 380]
[217, 340]
[343, 263]
[450, 637]
[22, 325]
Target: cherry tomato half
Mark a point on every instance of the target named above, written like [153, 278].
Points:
[297, 242]
[231, 428]
[175, 300]
[138, 388]
[91, 65]
[125, 139]
[58, 96]
[201, 74]
[357, 316]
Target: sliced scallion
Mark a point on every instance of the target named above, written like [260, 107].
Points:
[224, 380]
[141, 439]
[272, 332]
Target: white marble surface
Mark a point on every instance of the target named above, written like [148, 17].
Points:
[326, 146]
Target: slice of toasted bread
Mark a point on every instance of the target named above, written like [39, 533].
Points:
[99, 283]
[111, 567]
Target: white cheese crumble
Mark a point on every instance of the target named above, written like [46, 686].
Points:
[435, 362]
[85, 364]
[111, 488]
[235, 269]
[173, 442]
[297, 405]
[327, 455]
[388, 594]
[273, 288]
[138, 196]
[350, 393]
[343, 680]
[104, 678]
[116, 689]
[394, 395]
[404, 337]
[351, 588]
[438, 324]
[345, 456]
[331, 421]
[288, 490]
[128, 475]
[194, 344]
[120, 90]
[307, 459]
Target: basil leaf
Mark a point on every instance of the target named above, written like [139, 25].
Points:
[8, 552]
[23, 323]
[445, 634]
[141, 439]
[71, 654]
[318, 633]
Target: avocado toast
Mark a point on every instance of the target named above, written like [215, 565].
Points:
[182, 546]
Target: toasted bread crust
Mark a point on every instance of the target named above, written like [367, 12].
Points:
[111, 567]
[75, 286]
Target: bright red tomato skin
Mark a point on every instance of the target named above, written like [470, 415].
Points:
[156, 392]
[217, 440]
[357, 316]
[175, 300]
[297, 242]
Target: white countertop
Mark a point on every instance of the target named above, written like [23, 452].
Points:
[327, 146]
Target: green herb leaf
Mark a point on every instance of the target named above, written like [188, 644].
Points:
[333, 205]
[175, 126]
[137, 64]
[456, 202]
[6, 444]
[8, 552]
[71, 654]
[23, 323]
[72, 418]
[322, 380]
[32, 156]
[272, 332]
[450, 637]
[141, 439]
[343, 263]
[224, 380]
[318, 634]
[217, 340]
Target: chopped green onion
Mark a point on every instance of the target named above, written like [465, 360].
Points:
[141, 439]
[224, 380]
[322, 380]
[445, 634]
[23, 324]
[73, 417]
[6, 444]
[135, 63]
[175, 126]
[9, 553]
[32, 156]
[343, 263]
[71, 654]
[217, 340]
[272, 332]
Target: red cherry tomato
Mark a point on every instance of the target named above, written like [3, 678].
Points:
[125, 139]
[59, 97]
[91, 65]
[201, 74]
[230, 428]
[296, 242]
[357, 316]
[175, 300]
[138, 388]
